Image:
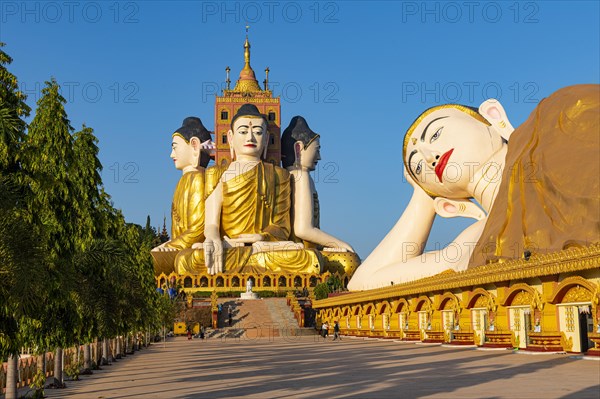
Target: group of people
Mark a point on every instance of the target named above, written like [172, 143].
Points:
[201, 333]
[336, 330]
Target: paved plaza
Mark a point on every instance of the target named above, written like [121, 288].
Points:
[309, 367]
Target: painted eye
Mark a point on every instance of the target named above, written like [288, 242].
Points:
[436, 135]
[418, 169]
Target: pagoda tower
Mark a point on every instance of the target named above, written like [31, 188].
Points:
[247, 90]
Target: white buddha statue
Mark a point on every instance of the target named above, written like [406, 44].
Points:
[525, 193]
[300, 149]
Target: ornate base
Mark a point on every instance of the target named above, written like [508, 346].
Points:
[545, 342]
[248, 295]
[435, 337]
[595, 351]
[462, 338]
[494, 339]
[412, 335]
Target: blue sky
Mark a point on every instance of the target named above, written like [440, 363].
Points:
[359, 72]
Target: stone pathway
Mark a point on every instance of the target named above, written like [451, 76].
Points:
[309, 367]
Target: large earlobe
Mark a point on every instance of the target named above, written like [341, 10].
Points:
[298, 147]
[494, 113]
[230, 142]
[449, 208]
[195, 144]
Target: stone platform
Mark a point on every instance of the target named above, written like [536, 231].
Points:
[310, 367]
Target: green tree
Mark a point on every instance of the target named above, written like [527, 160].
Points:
[86, 170]
[14, 108]
[48, 160]
[332, 284]
[23, 278]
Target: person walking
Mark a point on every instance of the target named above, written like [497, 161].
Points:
[336, 330]
[325, 329]
[229, 315]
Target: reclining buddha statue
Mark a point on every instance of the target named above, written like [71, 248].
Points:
[535, 188]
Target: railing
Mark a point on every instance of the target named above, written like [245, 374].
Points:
[28, 365]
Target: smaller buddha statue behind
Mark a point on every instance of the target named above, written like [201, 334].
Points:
[189, 147]
[301, 153]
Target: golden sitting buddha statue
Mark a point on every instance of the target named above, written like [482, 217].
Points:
[188, 151]
[300, 148]
[247, 217]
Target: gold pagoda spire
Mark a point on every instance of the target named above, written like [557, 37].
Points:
[247, 53]
[247, 81]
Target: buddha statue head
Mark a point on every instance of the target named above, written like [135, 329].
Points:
[186, 146]
[448, 145]
[248, 137]
[300, 146]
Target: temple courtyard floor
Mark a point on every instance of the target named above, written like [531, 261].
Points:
[310, 367]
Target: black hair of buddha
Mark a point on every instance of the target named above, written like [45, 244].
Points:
[192, 127]
[298, 130]
[248, 110]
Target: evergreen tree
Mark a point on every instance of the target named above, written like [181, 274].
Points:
[23, 273]
[86, 170]
[47, 160]
[71, 268]
[12, 109]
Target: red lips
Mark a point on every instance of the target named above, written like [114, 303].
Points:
[250, 145]
[441, 164]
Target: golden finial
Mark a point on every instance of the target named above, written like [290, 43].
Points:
[228, 81]
[247, 53]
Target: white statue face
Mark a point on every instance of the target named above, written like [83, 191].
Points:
[310, 156]
[248, 138]
[182, 153]
[447, 149]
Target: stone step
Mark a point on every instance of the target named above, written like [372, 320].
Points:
[268, 314]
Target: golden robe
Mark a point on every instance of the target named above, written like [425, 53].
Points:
[257, 201]
[549, 197]
[187, 220]
[187, 211]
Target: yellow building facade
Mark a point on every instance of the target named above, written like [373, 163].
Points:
[547, 303]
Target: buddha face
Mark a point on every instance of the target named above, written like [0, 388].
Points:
[248, 138]
[310, 156]
[183, 153]
[447, 150]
